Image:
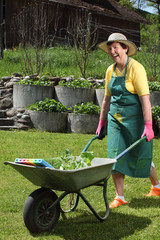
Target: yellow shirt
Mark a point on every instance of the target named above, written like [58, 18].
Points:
[136, 78]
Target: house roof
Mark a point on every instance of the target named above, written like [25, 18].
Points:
[109, 8]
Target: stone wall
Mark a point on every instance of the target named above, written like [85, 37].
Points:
[10, 117]
[13, 117]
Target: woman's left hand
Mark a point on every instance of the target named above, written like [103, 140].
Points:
[148, 131]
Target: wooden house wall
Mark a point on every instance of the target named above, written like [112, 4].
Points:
[107, 25]
[12, 9]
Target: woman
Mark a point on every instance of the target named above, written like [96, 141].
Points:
[127, 106]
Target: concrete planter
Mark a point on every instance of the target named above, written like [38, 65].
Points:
[156, 127]
[155, 98]
[99, 96]
[25, 95]
[71, 96]
[49, 121]
[82, 123]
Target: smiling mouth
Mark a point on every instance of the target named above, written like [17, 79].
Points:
[115, 55]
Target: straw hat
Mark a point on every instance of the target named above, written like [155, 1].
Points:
[119, 37]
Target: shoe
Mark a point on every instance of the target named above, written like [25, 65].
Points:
[117, 202]
[154, 192]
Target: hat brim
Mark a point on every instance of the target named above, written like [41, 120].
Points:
[132, 49]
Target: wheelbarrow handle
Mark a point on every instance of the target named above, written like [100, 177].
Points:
[102, 135]
[131, 147]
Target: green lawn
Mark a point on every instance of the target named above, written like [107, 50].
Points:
[138, 220]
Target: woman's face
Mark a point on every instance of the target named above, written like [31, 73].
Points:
[117, 53]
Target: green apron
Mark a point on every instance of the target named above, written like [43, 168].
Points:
[125, 126]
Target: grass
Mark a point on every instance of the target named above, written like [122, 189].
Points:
[138, 220]
[59, 61]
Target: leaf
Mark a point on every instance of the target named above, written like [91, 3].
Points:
[68, 162]
[48, 105]
[86, 108]
[76, 83]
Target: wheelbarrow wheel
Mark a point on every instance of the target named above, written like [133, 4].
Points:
[69, 203]
[37, 214]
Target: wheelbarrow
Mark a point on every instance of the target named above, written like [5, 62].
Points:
[43, 206]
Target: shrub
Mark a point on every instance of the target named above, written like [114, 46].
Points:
[48, 105]
[86, 108]
[77, 83]
[154, 86]
[43, 81]
[100, 86]
[156, 112]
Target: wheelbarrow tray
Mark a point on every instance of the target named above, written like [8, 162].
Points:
[66, 180]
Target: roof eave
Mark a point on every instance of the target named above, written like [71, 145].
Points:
[100, 10]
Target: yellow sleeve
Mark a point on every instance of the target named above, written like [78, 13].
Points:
[107, 79]
[139, 78]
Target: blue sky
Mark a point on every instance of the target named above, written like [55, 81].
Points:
[146, 8]
[149, 9]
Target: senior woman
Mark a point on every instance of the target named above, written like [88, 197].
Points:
[127, 108]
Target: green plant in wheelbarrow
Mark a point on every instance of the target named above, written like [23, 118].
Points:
[48, 105]
[69, 162]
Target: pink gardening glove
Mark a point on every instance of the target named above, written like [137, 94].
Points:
[101, 124]
[148, 131]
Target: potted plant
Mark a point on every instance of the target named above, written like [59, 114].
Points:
[84, 118]
[154, 88]
[49, 115]
[100, 91]
[31, 89]
[74, 91]
[156, 119]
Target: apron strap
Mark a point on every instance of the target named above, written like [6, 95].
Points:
[125, 68]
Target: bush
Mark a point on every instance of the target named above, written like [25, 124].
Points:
[48, 105]
[86, 108]
[156, 112]
[77, 83]
[43, 81]
[154, 86]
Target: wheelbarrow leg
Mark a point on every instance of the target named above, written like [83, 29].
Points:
[71, 204]
[59, 199]
[101, 219]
